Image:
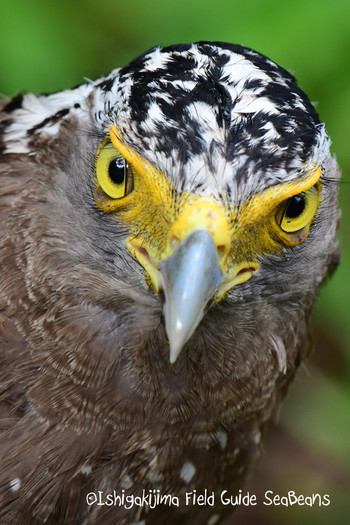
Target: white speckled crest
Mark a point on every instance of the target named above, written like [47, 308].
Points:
[215, 118]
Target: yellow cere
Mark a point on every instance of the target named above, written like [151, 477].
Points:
[159, 218]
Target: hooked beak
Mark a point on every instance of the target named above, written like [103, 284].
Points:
[195, 269]
[190, 278]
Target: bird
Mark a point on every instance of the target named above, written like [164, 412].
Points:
[165, 230]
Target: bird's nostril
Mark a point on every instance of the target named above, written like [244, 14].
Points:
[174, 240]
[221, 250]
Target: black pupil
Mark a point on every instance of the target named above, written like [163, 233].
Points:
[295, 206]
[117, 170]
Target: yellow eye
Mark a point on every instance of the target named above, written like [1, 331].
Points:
[298, 211]
[113, 173]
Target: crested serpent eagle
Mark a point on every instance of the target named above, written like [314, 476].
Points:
[164, 233]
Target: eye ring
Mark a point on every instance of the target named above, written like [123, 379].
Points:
[298, 211]
[113, 173]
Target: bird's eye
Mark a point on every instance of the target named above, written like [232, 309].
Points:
[298, 211]
[113, 173]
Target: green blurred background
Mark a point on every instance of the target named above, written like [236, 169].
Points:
[48, 45]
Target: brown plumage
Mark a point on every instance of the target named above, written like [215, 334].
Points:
[89, 400]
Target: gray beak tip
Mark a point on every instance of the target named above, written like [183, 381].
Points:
[174, 353]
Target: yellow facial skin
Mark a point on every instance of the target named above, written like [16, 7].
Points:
[159, 219]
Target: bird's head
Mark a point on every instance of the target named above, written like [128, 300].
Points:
[215, 162]
[198, 174]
